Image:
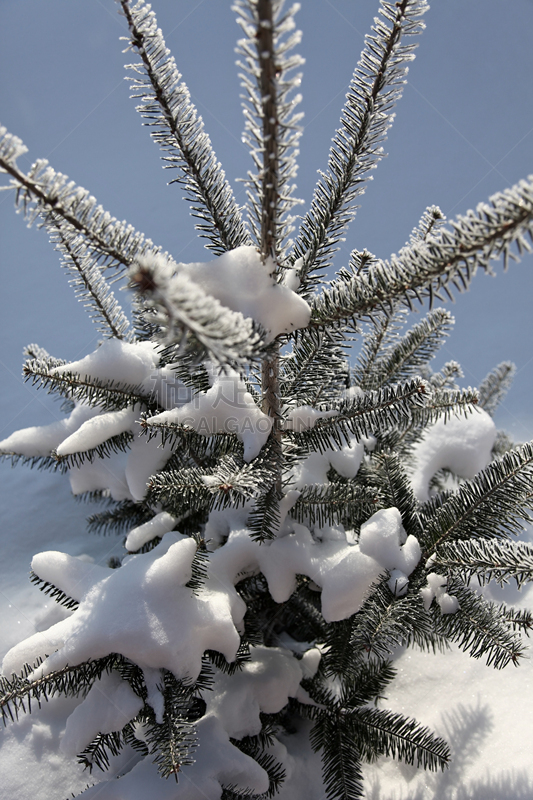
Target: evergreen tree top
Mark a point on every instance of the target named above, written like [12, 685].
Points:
[291, 517]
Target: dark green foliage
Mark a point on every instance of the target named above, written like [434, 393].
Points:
[341, 758]
[499, 561]
[230, 483]
[398, 493]
[115, 444]
[254, 746]
[391, 734]
[348, 730]
[479, 627]
[264, 520]
[103, 746]
[199, 567]
[218, 660]
[190, 445]
[431, 269]
[495, 503]
[123, 517]
[518, 619]
[18, 692]
[41, 462]
[316, 369]
[403, 359]
[108, 395]
[360, 416]
[173, 740]
[347, 503]
[384, 623]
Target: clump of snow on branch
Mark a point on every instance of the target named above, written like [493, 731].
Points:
[226, 765]
[461, 444]
[240, 281]
[156, 527]
[346, 460]
[435, 589]
[119, 608]
[41, 440]
[109, 705]
[216, 300]
[227, 407]
[143, 611]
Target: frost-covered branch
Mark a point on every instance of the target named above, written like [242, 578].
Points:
[179, 131]
[375, 88]
[486, 561]
[90, 285]
[181, 307]
[495, 386]
[271, 129]
[402, 359]
[427, 269]
[63, 206]
[387, 408]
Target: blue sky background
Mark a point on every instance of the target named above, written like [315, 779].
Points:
[464, 130]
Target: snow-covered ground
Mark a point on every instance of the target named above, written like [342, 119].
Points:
[485, 714]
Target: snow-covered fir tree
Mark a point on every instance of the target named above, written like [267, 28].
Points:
[291, 516]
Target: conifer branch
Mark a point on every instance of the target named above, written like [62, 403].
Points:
[398, 492]
[41, 462]
[480, 628]
[72, 210]
[229, 484]
[341, 759]
[174, 739]
[188, 444]
[103, 746]
[387, 408]
[414, 350]
[120, 519]
[179, 131]
[254, 747]
[316, 370]
[377, 338]
[446, 262]
[494, 504]
[486, 560]
[375, 88]
[441, 405]
[271, 128]
[107, 395]
[271, 133]
[115, 444]
[90, 286]
[391, 734]
[386, 622]
[185, 313]
[339, 502]
[264, 520]
[53, 591]
[495, 386]
[18, 692]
